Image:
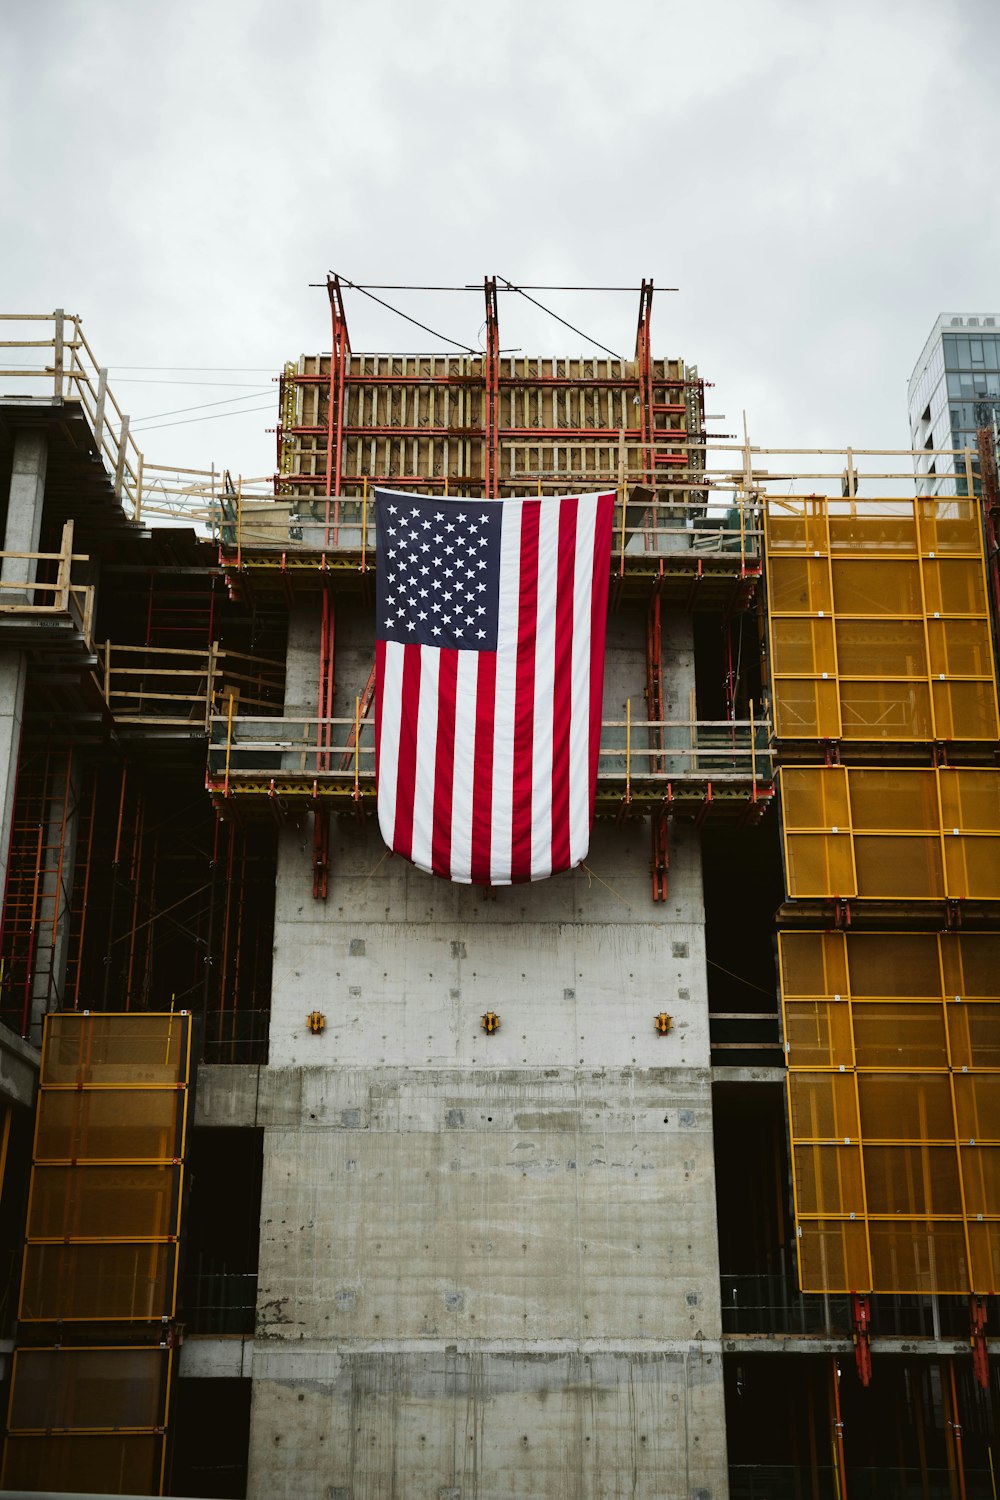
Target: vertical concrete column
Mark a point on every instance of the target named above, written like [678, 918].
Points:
[13, 674]
[24, 511]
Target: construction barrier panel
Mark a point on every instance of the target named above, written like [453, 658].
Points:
[893, 834]
[892, 1041]
[105, 1196]
[878, 624]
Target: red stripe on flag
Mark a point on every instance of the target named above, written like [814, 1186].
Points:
[444, 766]
[482, 782]
[562, 697]
[598, 625]
[524, 695]
[407, 766]
[379, 689]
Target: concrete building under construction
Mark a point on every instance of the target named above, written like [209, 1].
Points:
[714, 1208]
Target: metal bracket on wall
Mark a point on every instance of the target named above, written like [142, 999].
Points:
[861, 1317]
[661, 855]
[321, 852]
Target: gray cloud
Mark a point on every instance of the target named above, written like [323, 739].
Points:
[818, 183]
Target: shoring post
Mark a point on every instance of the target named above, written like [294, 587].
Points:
[953, 1422]
[209, 955]
[628, 749]
[753, 749]
[340, 348]
[491, 414]
[977, 1339]
[729, 671]
[838, 1429]
[364, 523]
[8, 1115]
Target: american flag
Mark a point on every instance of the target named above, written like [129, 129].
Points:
[489, 672]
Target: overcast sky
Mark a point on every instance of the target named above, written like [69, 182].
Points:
[818, 181]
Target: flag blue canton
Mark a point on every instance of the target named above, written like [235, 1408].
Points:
[438, 571]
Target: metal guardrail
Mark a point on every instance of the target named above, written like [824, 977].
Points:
[219, 1302]
[716, 476]
[50, 352]
[631, 753]
[646, 523]
[770, 1304]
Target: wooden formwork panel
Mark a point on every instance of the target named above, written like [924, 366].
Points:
[421, 420]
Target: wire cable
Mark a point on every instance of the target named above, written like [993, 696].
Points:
[203, 406]
[578, 331]
[214, 417]
[466, 348]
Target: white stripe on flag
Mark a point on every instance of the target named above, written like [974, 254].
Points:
[423, 789]
[388, 749]
[579, 757]
[466, 685]
[545, 651]
[503, 713]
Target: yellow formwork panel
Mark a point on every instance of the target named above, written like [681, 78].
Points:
[108, 1124]
[891, 834]
[100, 1201]
[98, 1283]
[110, 1464]
[105, 1194]
[878, 623]
[892, 1041]
[99, 1389]
[115, 1049]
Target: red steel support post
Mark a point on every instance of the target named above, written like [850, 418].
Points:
[340, 348]
[861, 1331]
[644, 371]
[491, 412]
[977, 1338]
[989, 480]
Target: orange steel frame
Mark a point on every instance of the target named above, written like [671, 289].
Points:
[490, 381]
[340, 349]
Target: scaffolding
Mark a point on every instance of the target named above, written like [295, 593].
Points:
[881, 666]
[89, 1397]
[133, 896]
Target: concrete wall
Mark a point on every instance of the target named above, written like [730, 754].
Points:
[488, 1265]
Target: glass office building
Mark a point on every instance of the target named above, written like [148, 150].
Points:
[958, 370]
